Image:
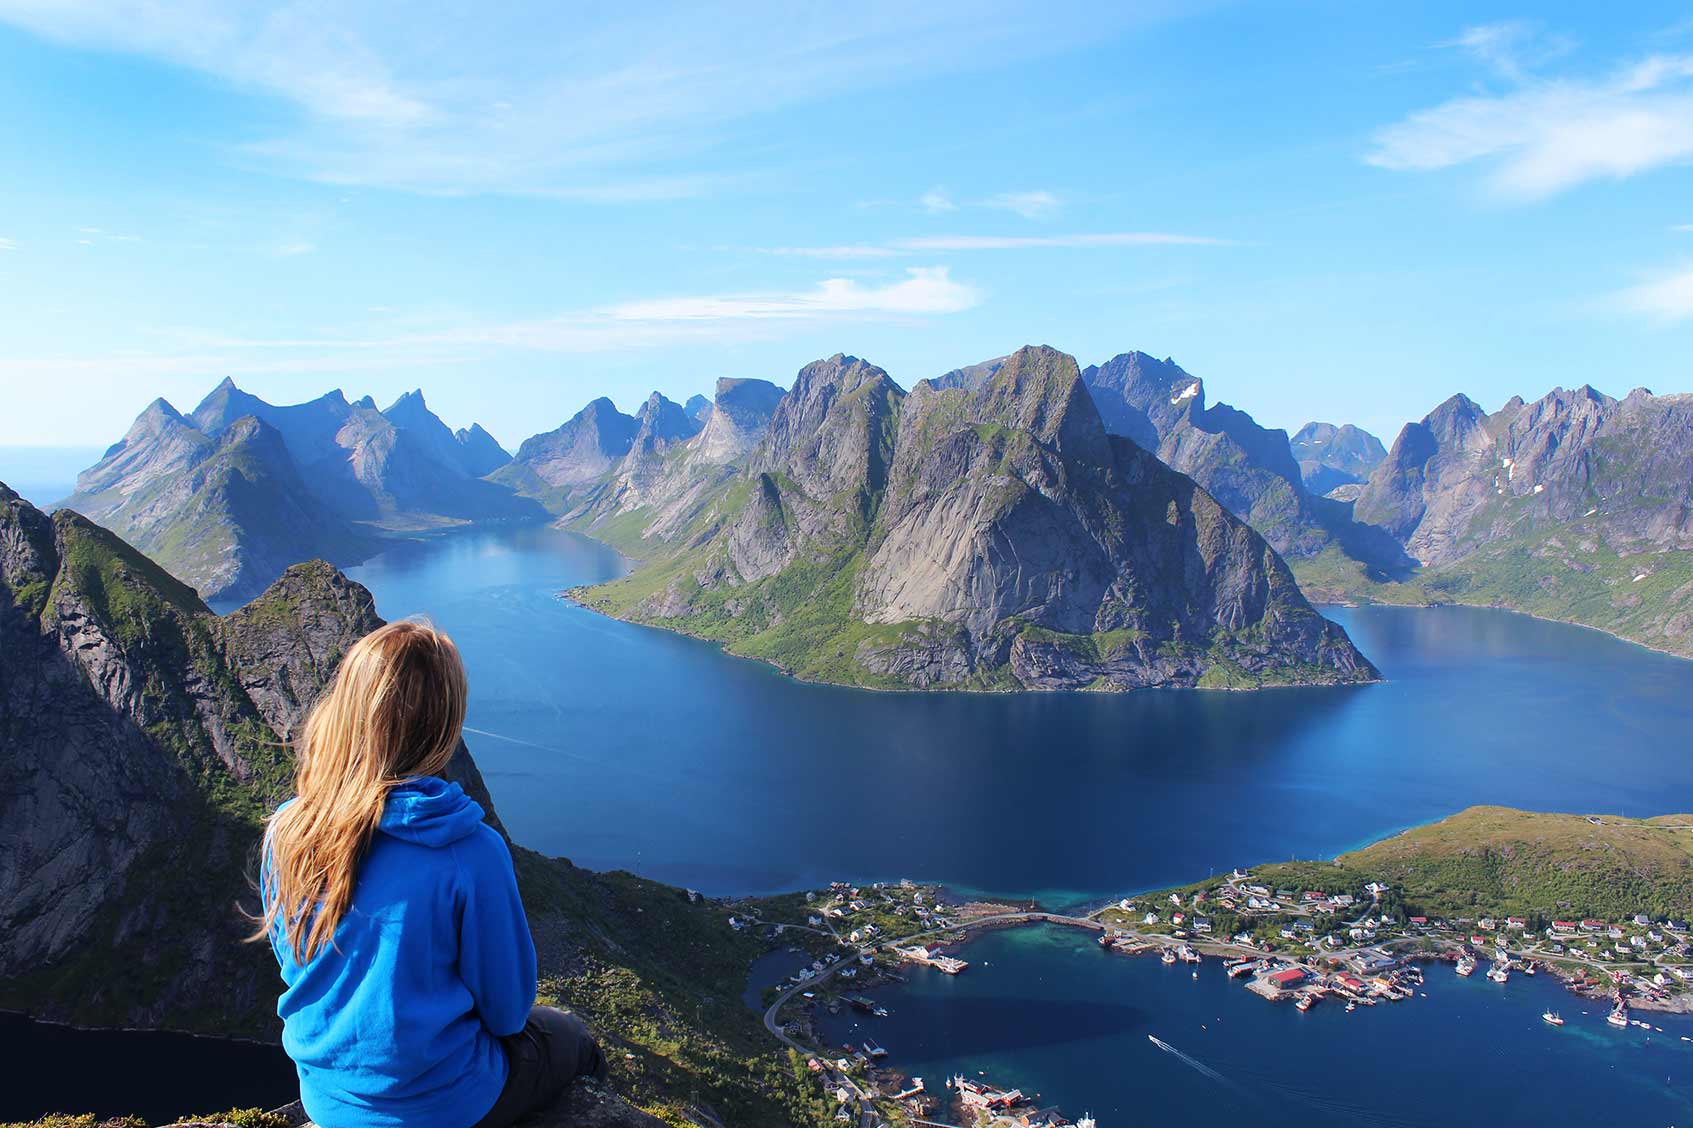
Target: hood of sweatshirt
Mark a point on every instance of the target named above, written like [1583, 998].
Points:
[429, 812]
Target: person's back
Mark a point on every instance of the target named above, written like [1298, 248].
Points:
[394, 913]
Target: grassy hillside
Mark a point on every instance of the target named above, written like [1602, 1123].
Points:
[1505, 861]
[1562, 574]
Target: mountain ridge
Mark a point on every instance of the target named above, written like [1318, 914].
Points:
[820, 553]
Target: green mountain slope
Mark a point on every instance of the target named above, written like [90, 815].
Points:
[142, 740]
[986, 537]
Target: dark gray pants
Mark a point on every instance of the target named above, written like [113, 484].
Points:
[552, 1050]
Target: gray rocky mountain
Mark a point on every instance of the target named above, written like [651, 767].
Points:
[1330, 457]
[228, 497]
[551, 467]
[1576, 506]
[987, 534]
[479, 451]
[1248, 468]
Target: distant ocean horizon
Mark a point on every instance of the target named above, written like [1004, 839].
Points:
[43, 475]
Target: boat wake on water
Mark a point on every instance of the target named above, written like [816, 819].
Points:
[1343, 1112]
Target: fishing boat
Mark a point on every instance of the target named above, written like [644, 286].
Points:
[1350, 1007]
[1306, 1002]
[1168, 956]
[1618, 1017]
[1498, 974]
[1466, 966]
[1552, 1018]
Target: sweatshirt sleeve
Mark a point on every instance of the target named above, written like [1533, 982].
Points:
[496, 950]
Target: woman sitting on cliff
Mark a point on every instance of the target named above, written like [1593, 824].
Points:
[394, 913]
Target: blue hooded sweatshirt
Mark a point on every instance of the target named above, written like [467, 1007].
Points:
[397, 1023]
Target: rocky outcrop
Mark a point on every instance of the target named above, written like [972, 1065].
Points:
[143, 740]
[1249, 469]
[1577, 506]
[988, 533]
[576, 454]
[230, 496]
[675, 466]
[479, 451]
[144, 736]
[1330, 457]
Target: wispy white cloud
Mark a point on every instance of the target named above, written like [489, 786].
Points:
[8, 244]
[1543, 136]
[842, 252]
[1668, 297]
[1036, 204]
[924, 290]
[1681, 227]
[1023, 242]
[293, 248]
[586, 102]
[935, 201]
[399, 340]
[1511, 47]
[926, 244]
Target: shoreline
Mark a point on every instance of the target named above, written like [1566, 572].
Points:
[568, 595]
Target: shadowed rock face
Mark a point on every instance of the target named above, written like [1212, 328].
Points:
[986, 533]
[1461, 479]
[1331, 456]
[1249, 469]
[230, 496]
[580, 451]
[144, 738]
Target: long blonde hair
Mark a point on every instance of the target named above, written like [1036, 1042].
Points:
[393, 711]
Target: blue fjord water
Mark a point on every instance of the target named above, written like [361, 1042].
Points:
[621, 746]
[624, 746]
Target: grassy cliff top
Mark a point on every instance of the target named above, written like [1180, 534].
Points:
[1504, 860]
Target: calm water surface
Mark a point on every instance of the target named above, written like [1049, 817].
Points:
[1044, 1009]
[626, 747]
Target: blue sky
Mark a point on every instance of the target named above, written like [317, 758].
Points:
[1337, 211]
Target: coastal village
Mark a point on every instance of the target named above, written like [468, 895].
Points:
[1298, 946]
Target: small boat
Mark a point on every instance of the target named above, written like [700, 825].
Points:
[1168, 956]
[1466, 966]
[1552, 1018]
[1350, 1007]
[1618, 1017]
[1306, 1002]
[880, 1012]
[1498, 974]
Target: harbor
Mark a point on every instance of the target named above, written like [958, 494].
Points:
[1309, 949]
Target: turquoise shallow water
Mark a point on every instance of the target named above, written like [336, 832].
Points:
[1044, 1009]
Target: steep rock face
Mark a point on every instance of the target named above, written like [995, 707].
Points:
[229, 496]
[143, 737]
[1249, 469]
[1330, 456]
[985, 534]
[1444, 461]
[479, 451]
[661, 428]
[575, 454]
[697, 407]
[737, 419]
[225, 512]
[143, 740]
[1577, 506]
